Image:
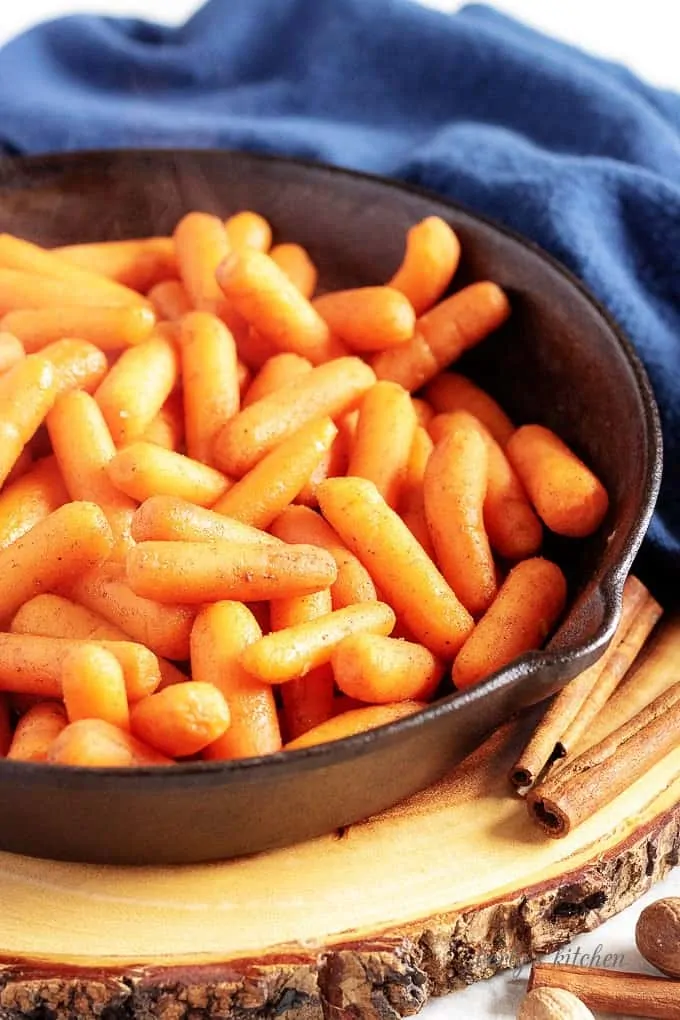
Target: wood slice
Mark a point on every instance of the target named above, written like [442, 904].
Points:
[370, 922]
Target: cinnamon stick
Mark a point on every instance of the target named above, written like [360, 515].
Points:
[617, 992]
[579, 788]
[577, 704]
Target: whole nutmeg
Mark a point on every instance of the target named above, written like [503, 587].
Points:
[553, 1004]
[657, 935]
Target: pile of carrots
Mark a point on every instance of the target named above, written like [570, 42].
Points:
[228, 526]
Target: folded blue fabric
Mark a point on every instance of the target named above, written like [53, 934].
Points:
[574, 152]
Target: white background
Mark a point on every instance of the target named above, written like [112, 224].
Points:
[642, 35]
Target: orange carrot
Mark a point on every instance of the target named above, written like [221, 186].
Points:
[198, 572]
[412, 502]
[430, 261]
[248, 230]
[22, 290]
[27, 392]
[381, 670]
[167, 428]
[383, 441]
[106, 328]
[36, 731]
[170, 300]
[210, 377]
[452, 392]
[30, 499]
[524, 612]
[12, 350]
[139, 263]
[6, 726]
[397, 563]
[253, 349]
[143, 469]
[220, 635]
[93, 686]
[262, 494]
[566, 494]
[136, 388]
[368, 318]
[297, 265]
[201, 243]
[181, 720]
[424, 411]
[77, 364]
[454, 488]
[333, 464]
[95, 743]
[167, 519]
[353, 722]
[327, 390]
[276, 373]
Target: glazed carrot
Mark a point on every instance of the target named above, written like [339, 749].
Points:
[77, 364]
[424, 411]
[430, 261]
[20, 291]
[95, 743]
[197, 572]
[210, 379]
[524, 612]
[219, 636]
[368, 318]
[181, 720]
[286, 654]
[384, 437]
[36, 731]
[83, 448]
[93, 686]
[30, 499]
[262, 494]
[276, 373]
[327, 390]
[295, 262]
[167, 428]
[54, 552]
[334, 462]
[253, 349]
[12, 351]
[262, 293]
[27, 392]
[6, 726]
[307, 700]
[138, 264]
[143, 469]
[299, 524]
[136, 388]
[107, 328]
[248, 230]
[169, 299]
[443, 334]
[201, 244]
[454, 488]
[358, 720]
[397, 563]
[452, 392]
[55, 616]
[412, 501]
[167, 519]
[381, 670]
[566, 494]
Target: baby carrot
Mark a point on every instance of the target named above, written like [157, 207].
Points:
[210, 379]
[20, 291]
[201, 244]
[106, 328]
[286, 654]
[12, 351]
[412, 501]
[262, 494]
[248, 230]
[430, 261]
[54, 552]
[353, 722]
[381, 670]
[27, 392]
[143, 469]
[198, 572]
[276, 373]
[93, 686]
[167, 519]
[165, 629]
[328, 390]
[139, 263]
[399, 566]
[83, 463]
[167, 428]
[30, 499]
[220, 634]
[254, 350]
[443, 334]
[424, 411]
[95, 743]
[566, 494]
[454, 488]
[368, 318]
[136, 388]
[297, 265]
[452, 392]
[36, 731]
[383, 440]
[262, 293]
[299, 524]
[181, 720]
[333, 463]
[524, 612]
[169, 300]
[77, 364]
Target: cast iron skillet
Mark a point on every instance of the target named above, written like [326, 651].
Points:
[560, 361]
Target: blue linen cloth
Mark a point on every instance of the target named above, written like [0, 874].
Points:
[572, 151]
